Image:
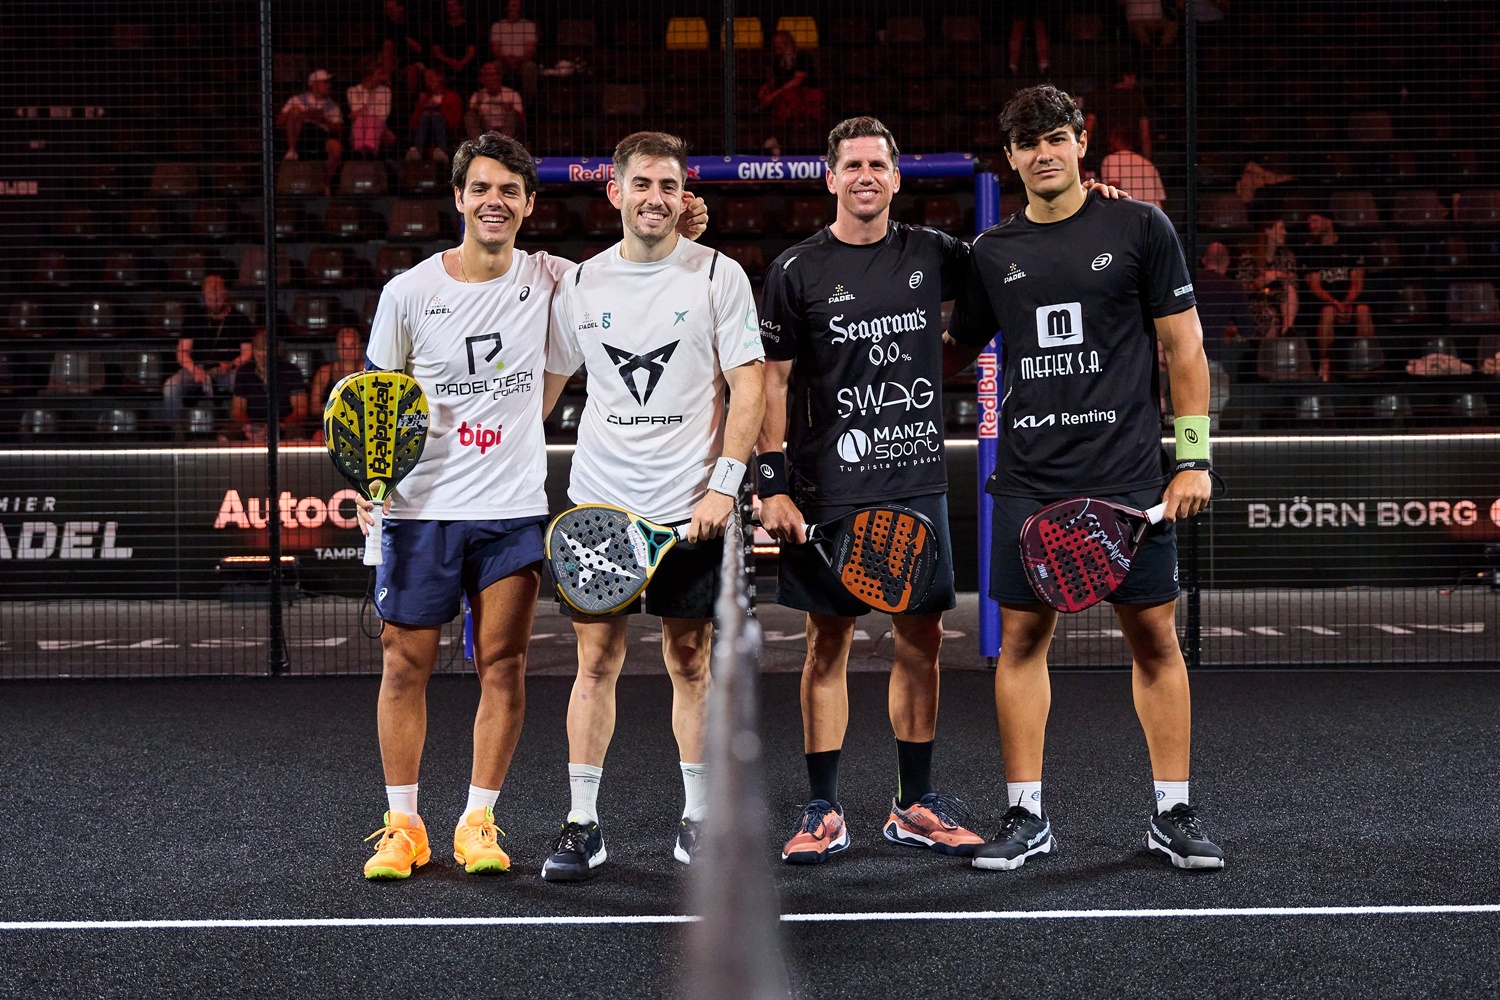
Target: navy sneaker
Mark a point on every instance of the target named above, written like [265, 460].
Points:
[579, 850]
[1022, 834]
[1178, 836]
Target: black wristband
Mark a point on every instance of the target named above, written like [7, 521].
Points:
[770, 478]
[1193, 465]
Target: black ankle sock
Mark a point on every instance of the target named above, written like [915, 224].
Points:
[823, 775]
[913, 771]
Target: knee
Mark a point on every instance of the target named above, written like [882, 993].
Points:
[503, 670]
[689, 662]
[401, 675]
[601, 667]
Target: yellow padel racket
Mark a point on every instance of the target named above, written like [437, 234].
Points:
[602, 557]
[375, 424]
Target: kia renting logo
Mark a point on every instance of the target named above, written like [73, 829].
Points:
[1032, 420]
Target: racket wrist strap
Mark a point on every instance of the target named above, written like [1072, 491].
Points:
[771, 480]
[727, 476]
[1192, 441]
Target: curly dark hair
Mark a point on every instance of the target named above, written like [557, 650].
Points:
[1035, 111]
[509, 153]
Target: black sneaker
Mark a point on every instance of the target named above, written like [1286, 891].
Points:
[689, 836]
[579, 850]
[1022, 834]
[1179, 835]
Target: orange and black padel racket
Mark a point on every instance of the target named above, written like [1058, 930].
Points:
[885, 556]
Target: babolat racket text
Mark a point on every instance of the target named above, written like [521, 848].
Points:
[885, 556]
[375, 424]
[602, 557]
[1077, 552]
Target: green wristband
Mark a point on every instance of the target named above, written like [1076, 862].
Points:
[1192, 437]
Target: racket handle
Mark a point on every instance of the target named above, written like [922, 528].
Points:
[372, 540]
[1154, 515]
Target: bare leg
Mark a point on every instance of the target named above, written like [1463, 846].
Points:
[409, 654]
[591, 709]
[1023, 691]
[686, 647]
[503, 613]
[825, 688]
[1159, 681]
[913, 694]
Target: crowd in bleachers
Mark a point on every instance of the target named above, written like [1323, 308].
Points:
[1347, 194]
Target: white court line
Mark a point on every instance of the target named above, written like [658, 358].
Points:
[789, 918]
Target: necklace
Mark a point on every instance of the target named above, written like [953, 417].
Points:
[460, 253]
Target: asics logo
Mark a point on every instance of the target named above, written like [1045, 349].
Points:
[652, 364]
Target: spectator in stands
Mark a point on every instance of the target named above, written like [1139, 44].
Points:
[1033, 12]
[349, 357]
[1222, 307]
[1149, 24]
[494, 107]
[1335, 276]
[1130, 171]
[789, 91]
[437, 118]
[370, 111]
[248, 409]
[401, 48]
[1268, 272]
[453, 46]
[1120, 106]
[513, 44]
[216, 345]
[312, 122]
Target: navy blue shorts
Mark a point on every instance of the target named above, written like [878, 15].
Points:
[685, 585]
[1153, 571]
[429, 565]
[805, 582]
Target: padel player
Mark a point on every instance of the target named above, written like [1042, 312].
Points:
[852, 324]
[1082, 289]
[470, 324]
[662, 325]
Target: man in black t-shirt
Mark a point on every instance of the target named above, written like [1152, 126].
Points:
[1335, 276]
[215, 344]
[250, 412]
[1081, 290]
[851, 319]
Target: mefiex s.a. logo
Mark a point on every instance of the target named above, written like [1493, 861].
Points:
[1059, 325]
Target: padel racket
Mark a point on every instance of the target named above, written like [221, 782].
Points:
[885, 556]
[375, 424]
[602, 557]
[1077, 552]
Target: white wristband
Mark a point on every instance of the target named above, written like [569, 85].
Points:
[728, 474]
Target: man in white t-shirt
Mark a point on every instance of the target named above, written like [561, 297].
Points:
[662, 325]
[470, 324]
[513, 44]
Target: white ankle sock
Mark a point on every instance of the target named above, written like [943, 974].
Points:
[583, 783]
[401, 798]
[481, 797]
[695, 790]
[1169, 794]
[1024, 793]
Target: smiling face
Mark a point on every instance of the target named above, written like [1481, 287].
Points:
[649, 197]
[865, 178]
[1048, 164]
[493, 201]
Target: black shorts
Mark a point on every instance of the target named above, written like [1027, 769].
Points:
[312, 143]
[1153, 571]
[685, 585]
[805, 582]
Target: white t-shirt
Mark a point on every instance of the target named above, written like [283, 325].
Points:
[1135, 175]
[512, 38]
[656, 339]
[478, 351]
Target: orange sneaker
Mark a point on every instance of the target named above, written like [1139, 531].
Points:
[475, 843]
[403, 845]
[934, 821]
[820, 832]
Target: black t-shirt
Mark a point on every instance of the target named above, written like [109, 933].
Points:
[864, 325]
[1333, 263]
[217, 341]
[252, 388]
[1075, 301]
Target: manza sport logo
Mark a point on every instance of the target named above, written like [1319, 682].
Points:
[653, 364]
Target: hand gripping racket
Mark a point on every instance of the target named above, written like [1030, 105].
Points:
[375, 424]
[1077, 552]
[602, 557]
[885, 556]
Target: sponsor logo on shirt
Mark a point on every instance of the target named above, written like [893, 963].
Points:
[479, 436]
[588, 323]
[881, 396]
[681, 316]
[1102, 261]
[1183, 290]
[840, 294]
[915, 281]
[913, 443]
[1059, 325]
[631, 365]
[604, 320]
[1013, 274]
[877, 329]
[1062, 363]
[436, 307]
[1032, 420]
[1065, 419]
[525, 293]
[484, 338]
[770, 331]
